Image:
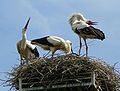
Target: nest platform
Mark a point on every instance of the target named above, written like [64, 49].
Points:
[66, 72]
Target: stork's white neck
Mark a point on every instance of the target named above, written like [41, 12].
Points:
[68, 47]
[24, 38]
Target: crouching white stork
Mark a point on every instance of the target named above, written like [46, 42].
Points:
[82, 28]
[53, 43]
[25, 48]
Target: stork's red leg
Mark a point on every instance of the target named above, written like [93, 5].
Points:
[53, 53]
[80, 46]
[86, 46]
[21, 60]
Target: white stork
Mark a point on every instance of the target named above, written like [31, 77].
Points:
[25, 48]
[82, 28]
[53, 43]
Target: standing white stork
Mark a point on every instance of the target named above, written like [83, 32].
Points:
[53, 43]
[25, 48]
[82, 28]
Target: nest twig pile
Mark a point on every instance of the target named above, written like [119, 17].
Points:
[49, 71]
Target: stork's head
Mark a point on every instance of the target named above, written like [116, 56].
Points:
[25, 28]
[78, 16]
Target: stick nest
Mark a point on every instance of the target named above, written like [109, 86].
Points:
[50, 71]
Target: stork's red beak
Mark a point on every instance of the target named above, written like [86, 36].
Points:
[27, 24]
[91, 23]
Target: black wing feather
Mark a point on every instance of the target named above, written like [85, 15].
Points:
[35, 52]
[91, 31]
[43, 41]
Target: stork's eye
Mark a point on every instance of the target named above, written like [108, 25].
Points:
[70, 43]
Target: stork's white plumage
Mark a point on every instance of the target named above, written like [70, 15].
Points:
[82, 28]
[25, 48]
[53, 43]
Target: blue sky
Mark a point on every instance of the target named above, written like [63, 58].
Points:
[50, 17]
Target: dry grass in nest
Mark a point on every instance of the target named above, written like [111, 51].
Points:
[49, 71]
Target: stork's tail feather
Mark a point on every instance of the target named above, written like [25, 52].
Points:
[35, 52]
[98, 33]
[90, 32]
